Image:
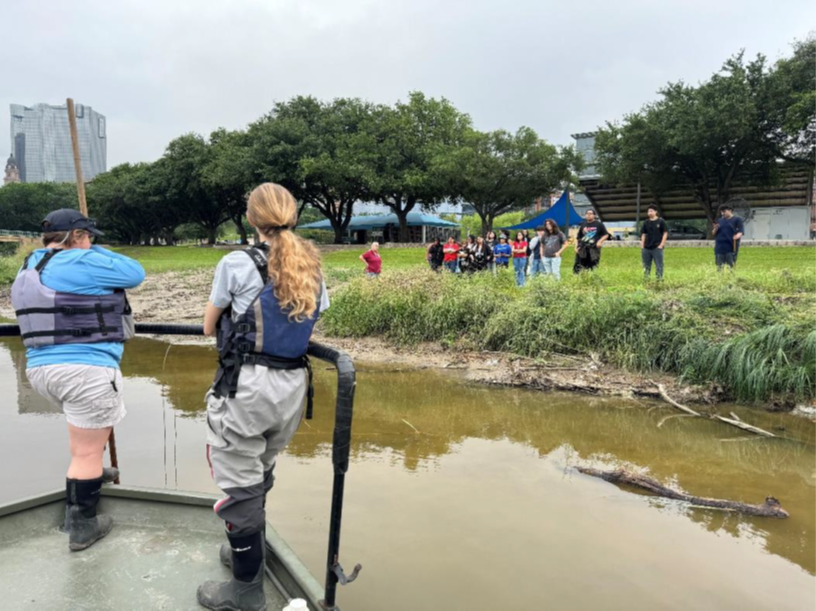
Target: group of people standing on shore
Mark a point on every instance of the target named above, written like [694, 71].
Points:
[539, 253]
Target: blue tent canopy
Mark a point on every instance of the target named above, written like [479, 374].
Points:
[369, 223]
[557, 213]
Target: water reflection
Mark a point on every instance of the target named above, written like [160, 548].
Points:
[420, 417]
[28, 400]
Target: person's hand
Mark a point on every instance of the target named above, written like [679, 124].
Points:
[660, 247]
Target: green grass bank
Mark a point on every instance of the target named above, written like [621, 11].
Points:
[751, 331]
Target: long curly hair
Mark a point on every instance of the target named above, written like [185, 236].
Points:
[294, 263]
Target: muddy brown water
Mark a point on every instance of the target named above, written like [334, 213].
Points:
[462, 496]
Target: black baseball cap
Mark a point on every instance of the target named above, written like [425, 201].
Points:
[68, 220]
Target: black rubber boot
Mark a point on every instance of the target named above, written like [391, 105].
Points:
[109, 475]
[84, 526]
[225, 553]
[245, 591]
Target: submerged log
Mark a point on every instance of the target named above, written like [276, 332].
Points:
[769, 509]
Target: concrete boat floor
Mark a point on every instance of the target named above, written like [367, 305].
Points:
[154, 558]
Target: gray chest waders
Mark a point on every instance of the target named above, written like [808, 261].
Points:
[255, 339]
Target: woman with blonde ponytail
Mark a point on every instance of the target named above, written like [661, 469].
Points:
[263, 306]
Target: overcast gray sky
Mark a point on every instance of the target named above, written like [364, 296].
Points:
[158, 69]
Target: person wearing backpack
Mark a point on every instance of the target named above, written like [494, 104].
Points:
[263, 307]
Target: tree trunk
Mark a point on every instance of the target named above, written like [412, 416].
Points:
[404, 233]
[212, 235]
[242, 232]
[338, 233]
[487, 224]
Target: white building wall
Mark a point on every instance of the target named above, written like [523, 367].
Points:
[783, 223]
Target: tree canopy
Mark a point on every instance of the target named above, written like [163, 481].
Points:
[737, 125]
[498, 172]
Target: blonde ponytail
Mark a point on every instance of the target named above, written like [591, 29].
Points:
[294, 263]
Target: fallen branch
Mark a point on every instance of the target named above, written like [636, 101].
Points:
[742, 425]
[769, 509]
[735, 421]
[672, 402]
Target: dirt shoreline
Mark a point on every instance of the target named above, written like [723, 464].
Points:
[175, 297]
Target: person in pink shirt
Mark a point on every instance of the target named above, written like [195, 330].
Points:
[372, 260]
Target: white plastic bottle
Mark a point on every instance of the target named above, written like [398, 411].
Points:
[297, 604]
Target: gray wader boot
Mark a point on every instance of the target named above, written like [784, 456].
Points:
[245, 591]
[109, 475]
[84, 526]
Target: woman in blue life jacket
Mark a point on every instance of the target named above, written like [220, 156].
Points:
[263, 306]
[74, 317]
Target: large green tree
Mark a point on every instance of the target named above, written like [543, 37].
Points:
[636, 152]
[132, 204]
[412, 140]
[498, 172]
[228, 175]
[737, 125]
[792, 98]
[23, 206]
[322, 152]
[183, 172]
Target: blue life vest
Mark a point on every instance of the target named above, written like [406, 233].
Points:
[48, 317]
[263, 335]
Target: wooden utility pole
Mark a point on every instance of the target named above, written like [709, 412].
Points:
[83, 208]
[83, 205]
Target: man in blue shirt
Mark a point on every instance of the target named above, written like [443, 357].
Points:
[727, 234]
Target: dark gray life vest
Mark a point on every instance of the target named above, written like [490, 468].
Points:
[48, 317]
[263, 335]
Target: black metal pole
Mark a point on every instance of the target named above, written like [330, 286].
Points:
[566, 214]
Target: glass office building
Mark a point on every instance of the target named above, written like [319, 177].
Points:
[41, 142]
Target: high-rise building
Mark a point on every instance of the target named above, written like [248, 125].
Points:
[41, 142]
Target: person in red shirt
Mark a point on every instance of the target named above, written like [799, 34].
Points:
[372, 260]
[520, 258]
[451, 251]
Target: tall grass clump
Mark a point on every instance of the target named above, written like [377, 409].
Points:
[412, 306]
[769, 363]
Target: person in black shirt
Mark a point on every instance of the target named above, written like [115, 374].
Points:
[591, 236]
[653, 236]
[436, 255]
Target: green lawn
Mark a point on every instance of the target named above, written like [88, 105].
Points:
[339, 266]
[620, 267]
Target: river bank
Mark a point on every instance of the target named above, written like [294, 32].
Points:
[180, 297]
[596, 334]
